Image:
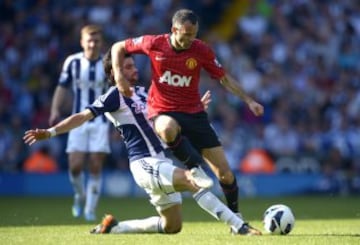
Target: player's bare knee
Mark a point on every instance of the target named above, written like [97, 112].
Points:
[75, 168]
[167, 128]
[75, 171]
[95, 168]
[226, 177]
[168, 134]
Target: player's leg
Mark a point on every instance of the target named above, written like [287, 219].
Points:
[155, 176]
[98, 147]
[94, 184]
[76, 149]
[182, 181]
[204, 138]
[77, 180]
[215, 157]
[170, 132]
[160, 179]
[169, 221]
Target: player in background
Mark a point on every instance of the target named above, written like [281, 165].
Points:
[174, 100]
[150, 168]
[88, 145]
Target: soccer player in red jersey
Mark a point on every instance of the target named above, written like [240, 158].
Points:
[174, 101]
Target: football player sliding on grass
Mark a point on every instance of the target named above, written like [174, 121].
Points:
[151, 170]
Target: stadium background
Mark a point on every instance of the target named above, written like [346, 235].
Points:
[299, 58]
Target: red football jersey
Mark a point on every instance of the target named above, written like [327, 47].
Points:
[175, 74]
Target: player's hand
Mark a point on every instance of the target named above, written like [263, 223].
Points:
[32, 136]
[256, 108]
[123, 85]
[125, 91]
[206, 99]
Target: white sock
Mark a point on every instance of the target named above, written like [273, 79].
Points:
[78, 184]
[93, 190]
[211, 204]
[148, 225]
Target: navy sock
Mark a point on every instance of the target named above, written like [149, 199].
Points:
[185, 152]
[231, 193]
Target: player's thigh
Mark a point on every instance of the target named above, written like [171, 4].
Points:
[172, 219]
[96, 162]
[76, 160]
[166, 127]
[155, 176]
[216, 159]
[197, 128]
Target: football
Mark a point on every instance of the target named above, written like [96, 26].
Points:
[278, 219]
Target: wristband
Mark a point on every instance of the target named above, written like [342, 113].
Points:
[52, 132]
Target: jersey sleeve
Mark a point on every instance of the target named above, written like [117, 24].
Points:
[139, 45]
[108, 102]
[212, 65]
[65, 75]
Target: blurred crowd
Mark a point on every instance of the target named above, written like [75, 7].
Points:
[299, 58]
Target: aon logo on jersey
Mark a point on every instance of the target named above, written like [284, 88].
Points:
[175, 80]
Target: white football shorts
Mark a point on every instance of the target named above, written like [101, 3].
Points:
[155, 175]
[89, 137]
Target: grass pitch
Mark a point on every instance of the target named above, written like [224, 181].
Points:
[39, 220]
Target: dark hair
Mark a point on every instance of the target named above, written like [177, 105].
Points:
[108, 66]
[183, 15]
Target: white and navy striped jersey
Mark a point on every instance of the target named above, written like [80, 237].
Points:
[129, 116]
[86, 77]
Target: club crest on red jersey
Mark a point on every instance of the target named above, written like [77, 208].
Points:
[191, 63]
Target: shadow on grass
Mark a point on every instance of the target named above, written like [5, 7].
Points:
[324, 235]
[37, 211]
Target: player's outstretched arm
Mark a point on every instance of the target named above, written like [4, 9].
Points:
[64, 126]
[117, 59]
[233, 86]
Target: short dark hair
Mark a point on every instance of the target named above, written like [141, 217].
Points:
[108, 65]
[183, 15]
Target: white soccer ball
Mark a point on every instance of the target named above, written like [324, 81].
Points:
[278, 219]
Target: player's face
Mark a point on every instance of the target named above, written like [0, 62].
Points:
[184, 35]
[130, 71]
[92, 44]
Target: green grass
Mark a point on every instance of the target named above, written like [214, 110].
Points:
[39, 220]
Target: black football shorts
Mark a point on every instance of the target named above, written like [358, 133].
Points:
[197, 128]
